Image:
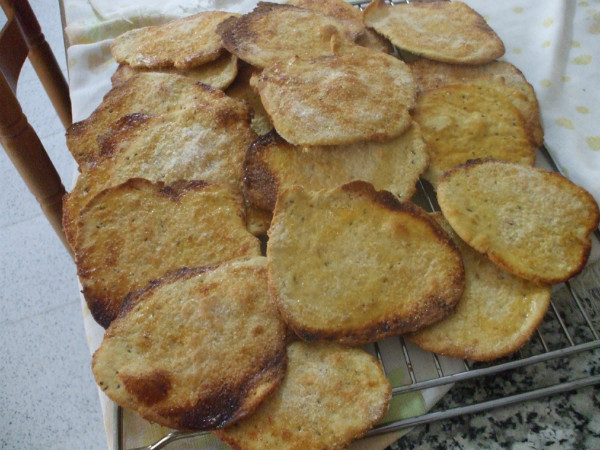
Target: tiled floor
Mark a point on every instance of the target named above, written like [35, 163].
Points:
[48, 398]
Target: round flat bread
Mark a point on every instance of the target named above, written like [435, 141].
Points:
[433, 74]
[354, 265]
[133, 233]
[206, 144]
[181, 43]
[471, 121]
[443, 31]
[197, 350]
[149, 93]
[530, 222]
[274, 33]
[497, 314]
[272, 165]
[219, 73]
[338, 99]
[330, 396]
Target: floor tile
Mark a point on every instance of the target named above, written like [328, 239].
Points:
[37, 273]
[48, 396]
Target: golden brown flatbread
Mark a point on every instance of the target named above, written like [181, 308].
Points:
[354, 265]
[433, 74]
[444, 31]
[206, 144]
[241, 89]
[330, 395]
[339, 99]
[273, 165]
[149, 93]
[138, 231]
[219, 73]
[530, 222]
[180, 43]
[471, 121]
[197, 350]
[496, 315]
[274, 33]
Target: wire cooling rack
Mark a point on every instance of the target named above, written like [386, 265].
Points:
[570, 330]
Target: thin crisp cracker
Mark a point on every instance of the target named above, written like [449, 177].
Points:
[133, 233]
[181, 43]
[354, 265]
[330, 396]
[340, 99]
[273, 165]
[443, 31]
[433, 74]
[196, 350]
[274, 33]
[530, 222]
[471, 121]
[219, 73]
[497, 313]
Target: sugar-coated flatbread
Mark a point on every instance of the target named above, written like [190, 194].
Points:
[354, 265]
[219, 73]
[273, 165]
[497, 314]
[241, 89]
[433, 74]
[472, 121]
[181, 43]
[133, 233]
[197, 350]
[274, 33]
[206, 144]
[530, 222]
[330, 396]
[339, 99]
[442, 31]
[149, 93]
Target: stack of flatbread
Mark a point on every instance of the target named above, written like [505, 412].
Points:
[243, 221]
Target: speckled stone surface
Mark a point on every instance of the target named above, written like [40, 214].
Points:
[567, 421]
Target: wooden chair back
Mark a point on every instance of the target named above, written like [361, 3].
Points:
[21, 37]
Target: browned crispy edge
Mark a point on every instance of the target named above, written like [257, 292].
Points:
[237, 446]
[446, 349]
[105, 309]
[436, 307]
[555, 178]
[89, 157]
[260, 184]
[228, 404]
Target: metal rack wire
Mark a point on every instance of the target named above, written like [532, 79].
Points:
[570, 327]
